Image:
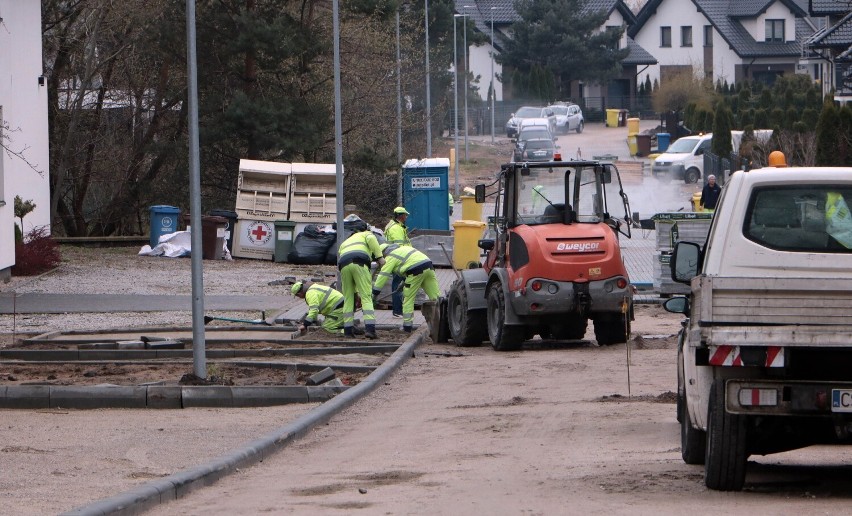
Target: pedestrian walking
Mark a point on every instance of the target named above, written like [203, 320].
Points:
[354, 257]
[396, 232]
[710, 194]
[322, 300]
[418, 272]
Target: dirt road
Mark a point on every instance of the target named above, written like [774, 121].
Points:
[541, 431]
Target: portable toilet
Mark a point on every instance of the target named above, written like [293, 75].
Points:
[425, 193]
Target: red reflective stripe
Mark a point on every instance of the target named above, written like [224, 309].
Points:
[755, 396]
[772, 353]
[720, 355]
[738, 360]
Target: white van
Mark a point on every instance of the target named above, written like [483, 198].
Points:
[684, 159]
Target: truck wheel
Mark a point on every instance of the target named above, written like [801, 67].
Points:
[611, 328]
[574, 328]
[580, 127]
[692, 442]
[503, 338]
[467, 327]
[691, 176]
[725, 457]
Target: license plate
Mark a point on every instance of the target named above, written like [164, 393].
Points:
[841, 400]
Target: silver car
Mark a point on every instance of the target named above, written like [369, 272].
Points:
[569, 117]
[529, 112]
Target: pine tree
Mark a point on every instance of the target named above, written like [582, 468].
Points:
[827, 131]
[721, 144]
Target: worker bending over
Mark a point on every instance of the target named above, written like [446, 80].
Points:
[396, 232]
[418, 272]
[354, 257]
[322, 300]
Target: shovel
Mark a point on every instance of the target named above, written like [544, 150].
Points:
[262, 320]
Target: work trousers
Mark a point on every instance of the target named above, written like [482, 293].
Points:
[396, 298]
[356, 279]
[333, 322]
[425, 280]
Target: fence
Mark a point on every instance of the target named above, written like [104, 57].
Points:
[721, 167]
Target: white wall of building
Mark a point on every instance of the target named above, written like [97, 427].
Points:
[776, 11]
[24, 110]
[480, 66]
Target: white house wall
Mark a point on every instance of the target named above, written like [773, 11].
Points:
[777, 11]
[480, 66]
[24, 111]
[617, 20]
[675, 14]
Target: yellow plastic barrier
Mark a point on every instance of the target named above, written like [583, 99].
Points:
[465, 251]
[470, 209]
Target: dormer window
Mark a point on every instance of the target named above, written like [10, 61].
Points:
[774, 31]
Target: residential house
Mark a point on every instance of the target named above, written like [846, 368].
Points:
[23, 111]
[727, 40]
[501, 14]
[832, 46]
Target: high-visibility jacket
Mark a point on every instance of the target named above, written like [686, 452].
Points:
[402, 261]
[321, 300]
[361, 248]
[397, 233]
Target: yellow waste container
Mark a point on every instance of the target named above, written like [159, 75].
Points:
[612, 117]
[470, 209]
[632, 144]
[632, 125]
[465, 251]
[696, 201]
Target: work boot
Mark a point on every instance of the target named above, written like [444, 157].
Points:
[357, 330]
[406, 329]
[370, 332]
[349, 331]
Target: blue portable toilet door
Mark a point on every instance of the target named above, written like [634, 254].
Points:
[425, 193]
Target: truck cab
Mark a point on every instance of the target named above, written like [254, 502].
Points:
[763, 358]
[683, 160]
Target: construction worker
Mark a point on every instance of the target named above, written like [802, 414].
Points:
[322, 300]
[710, 194]
[397, 233]
[418, 271]
[451, 204]
[354, 257]
[538, 200]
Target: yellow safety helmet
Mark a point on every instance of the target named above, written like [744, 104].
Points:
[399, 210]
[297, 287]
[777, 159]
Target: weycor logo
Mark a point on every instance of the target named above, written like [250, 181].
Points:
[580, 247]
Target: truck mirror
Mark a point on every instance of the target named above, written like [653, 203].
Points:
[479, 194]
[677, 305]
[685, 262]
[486, 244]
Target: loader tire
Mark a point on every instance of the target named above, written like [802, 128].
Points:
[467, 327]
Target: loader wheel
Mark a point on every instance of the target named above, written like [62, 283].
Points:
[725, 457]
[611, 328]
[503, 338]
[573, 328]
[467, 327]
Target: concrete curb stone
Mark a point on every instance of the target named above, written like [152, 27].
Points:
[175, 486]
[104, 396]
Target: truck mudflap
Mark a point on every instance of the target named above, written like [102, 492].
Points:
[789, 398]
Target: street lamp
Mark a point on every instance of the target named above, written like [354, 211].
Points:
[466, 7]
[398, 113]
[456, 99]
[493, 85]
[428, 94]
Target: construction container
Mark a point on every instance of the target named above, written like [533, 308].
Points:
[465, 249]
[425, 193]
[254, 238]
[263, 190]
[471, 210]
[164, 220]
[679, 226]
[313, 193]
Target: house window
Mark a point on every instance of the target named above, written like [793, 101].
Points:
[774, 31]
[611, 29]
[708, 35]
[665, 36]
[686, 36]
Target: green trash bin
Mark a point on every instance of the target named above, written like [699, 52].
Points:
[284, 230]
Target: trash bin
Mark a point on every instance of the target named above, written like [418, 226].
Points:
[465, 251]
[663, 140]
[631, 144]
[632, 126]
[284, 236]
[622, 117]
[471, 210]
[212, 235]
[612, 117]
[164, 220]
[643, 144]
[232, 224]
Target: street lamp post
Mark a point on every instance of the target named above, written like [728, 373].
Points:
[493, 84]
[398, 114]
[428, 93]
[456, 102]
[466, 126]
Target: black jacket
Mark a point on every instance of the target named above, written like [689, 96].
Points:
[710, 195]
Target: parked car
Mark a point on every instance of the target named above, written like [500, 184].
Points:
[569, 117]
[684, 159]
[529, 112]
[534, 132]
[537, 149]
